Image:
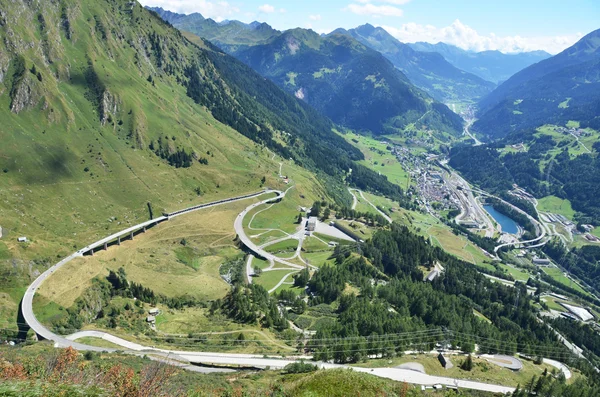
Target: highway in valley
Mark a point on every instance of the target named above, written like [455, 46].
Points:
[183, 359]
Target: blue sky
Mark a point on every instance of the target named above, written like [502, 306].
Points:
[507, 25]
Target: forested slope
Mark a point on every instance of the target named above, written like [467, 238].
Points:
[553, 91]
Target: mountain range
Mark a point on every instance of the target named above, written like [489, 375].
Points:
[563, 88]
[493, 66]
[427, 70]
[351, 83]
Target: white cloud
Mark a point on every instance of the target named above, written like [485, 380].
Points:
[266, 8]
[467, 38]
[315, 17]
[375, 10]
[217, 10]
[396, 2]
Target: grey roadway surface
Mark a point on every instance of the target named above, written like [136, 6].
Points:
[27, 303]
[219, 358]
[355, 202]
[239, 229]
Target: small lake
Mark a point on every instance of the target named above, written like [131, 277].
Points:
[508, 225]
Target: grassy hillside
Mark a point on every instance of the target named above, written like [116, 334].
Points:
[557, 90]
[123, 375]
[345, 80]
[110, 116]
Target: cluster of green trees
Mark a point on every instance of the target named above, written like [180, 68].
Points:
[252, 304]
[179, 158]
[583, 335]
[95, 89]
[323, 210]
[582, 262]
[394, 300]
[550, 385]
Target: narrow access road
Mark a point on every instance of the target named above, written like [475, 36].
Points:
[387, 218]
[354, 199]
[239, 229]
[223, 358]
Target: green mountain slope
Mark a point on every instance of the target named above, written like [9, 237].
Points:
[554, 91]
[350, 83]
[345, 80]
[108, 112]
[493, 66]
[427, 70]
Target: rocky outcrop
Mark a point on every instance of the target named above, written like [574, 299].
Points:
[109, 107]
[23, 95]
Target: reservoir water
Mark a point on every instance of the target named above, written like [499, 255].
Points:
[507, 224]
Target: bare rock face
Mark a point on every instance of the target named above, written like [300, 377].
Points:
[3, 66]
[24, 96]
[4, 61]
[110, 106]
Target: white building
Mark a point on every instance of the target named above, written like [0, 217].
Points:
[312, 223]
[579, 312]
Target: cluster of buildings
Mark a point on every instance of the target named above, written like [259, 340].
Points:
[578, 132]
[151, 319]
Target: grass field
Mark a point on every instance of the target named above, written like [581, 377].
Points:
[260, 263]
[456, 245]
[556, 205]
[481, 316]
[158, 260]
[312, 243]
[518, 274]
[359, 228]
[559, 276]
[88, 340]
[285, 246]
[317, 259]
[272, 278]
[265, 237]
[552, 304]
[379, 158]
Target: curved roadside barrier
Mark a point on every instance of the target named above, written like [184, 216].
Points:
[27, 302]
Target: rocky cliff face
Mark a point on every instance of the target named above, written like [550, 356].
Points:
[24, 95]
[110, 107]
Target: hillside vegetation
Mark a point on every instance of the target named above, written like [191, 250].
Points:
[554, 91]
[345, 80]
[110, 116]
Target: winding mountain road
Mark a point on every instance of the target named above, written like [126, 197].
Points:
[355, 202]
[227, 359]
